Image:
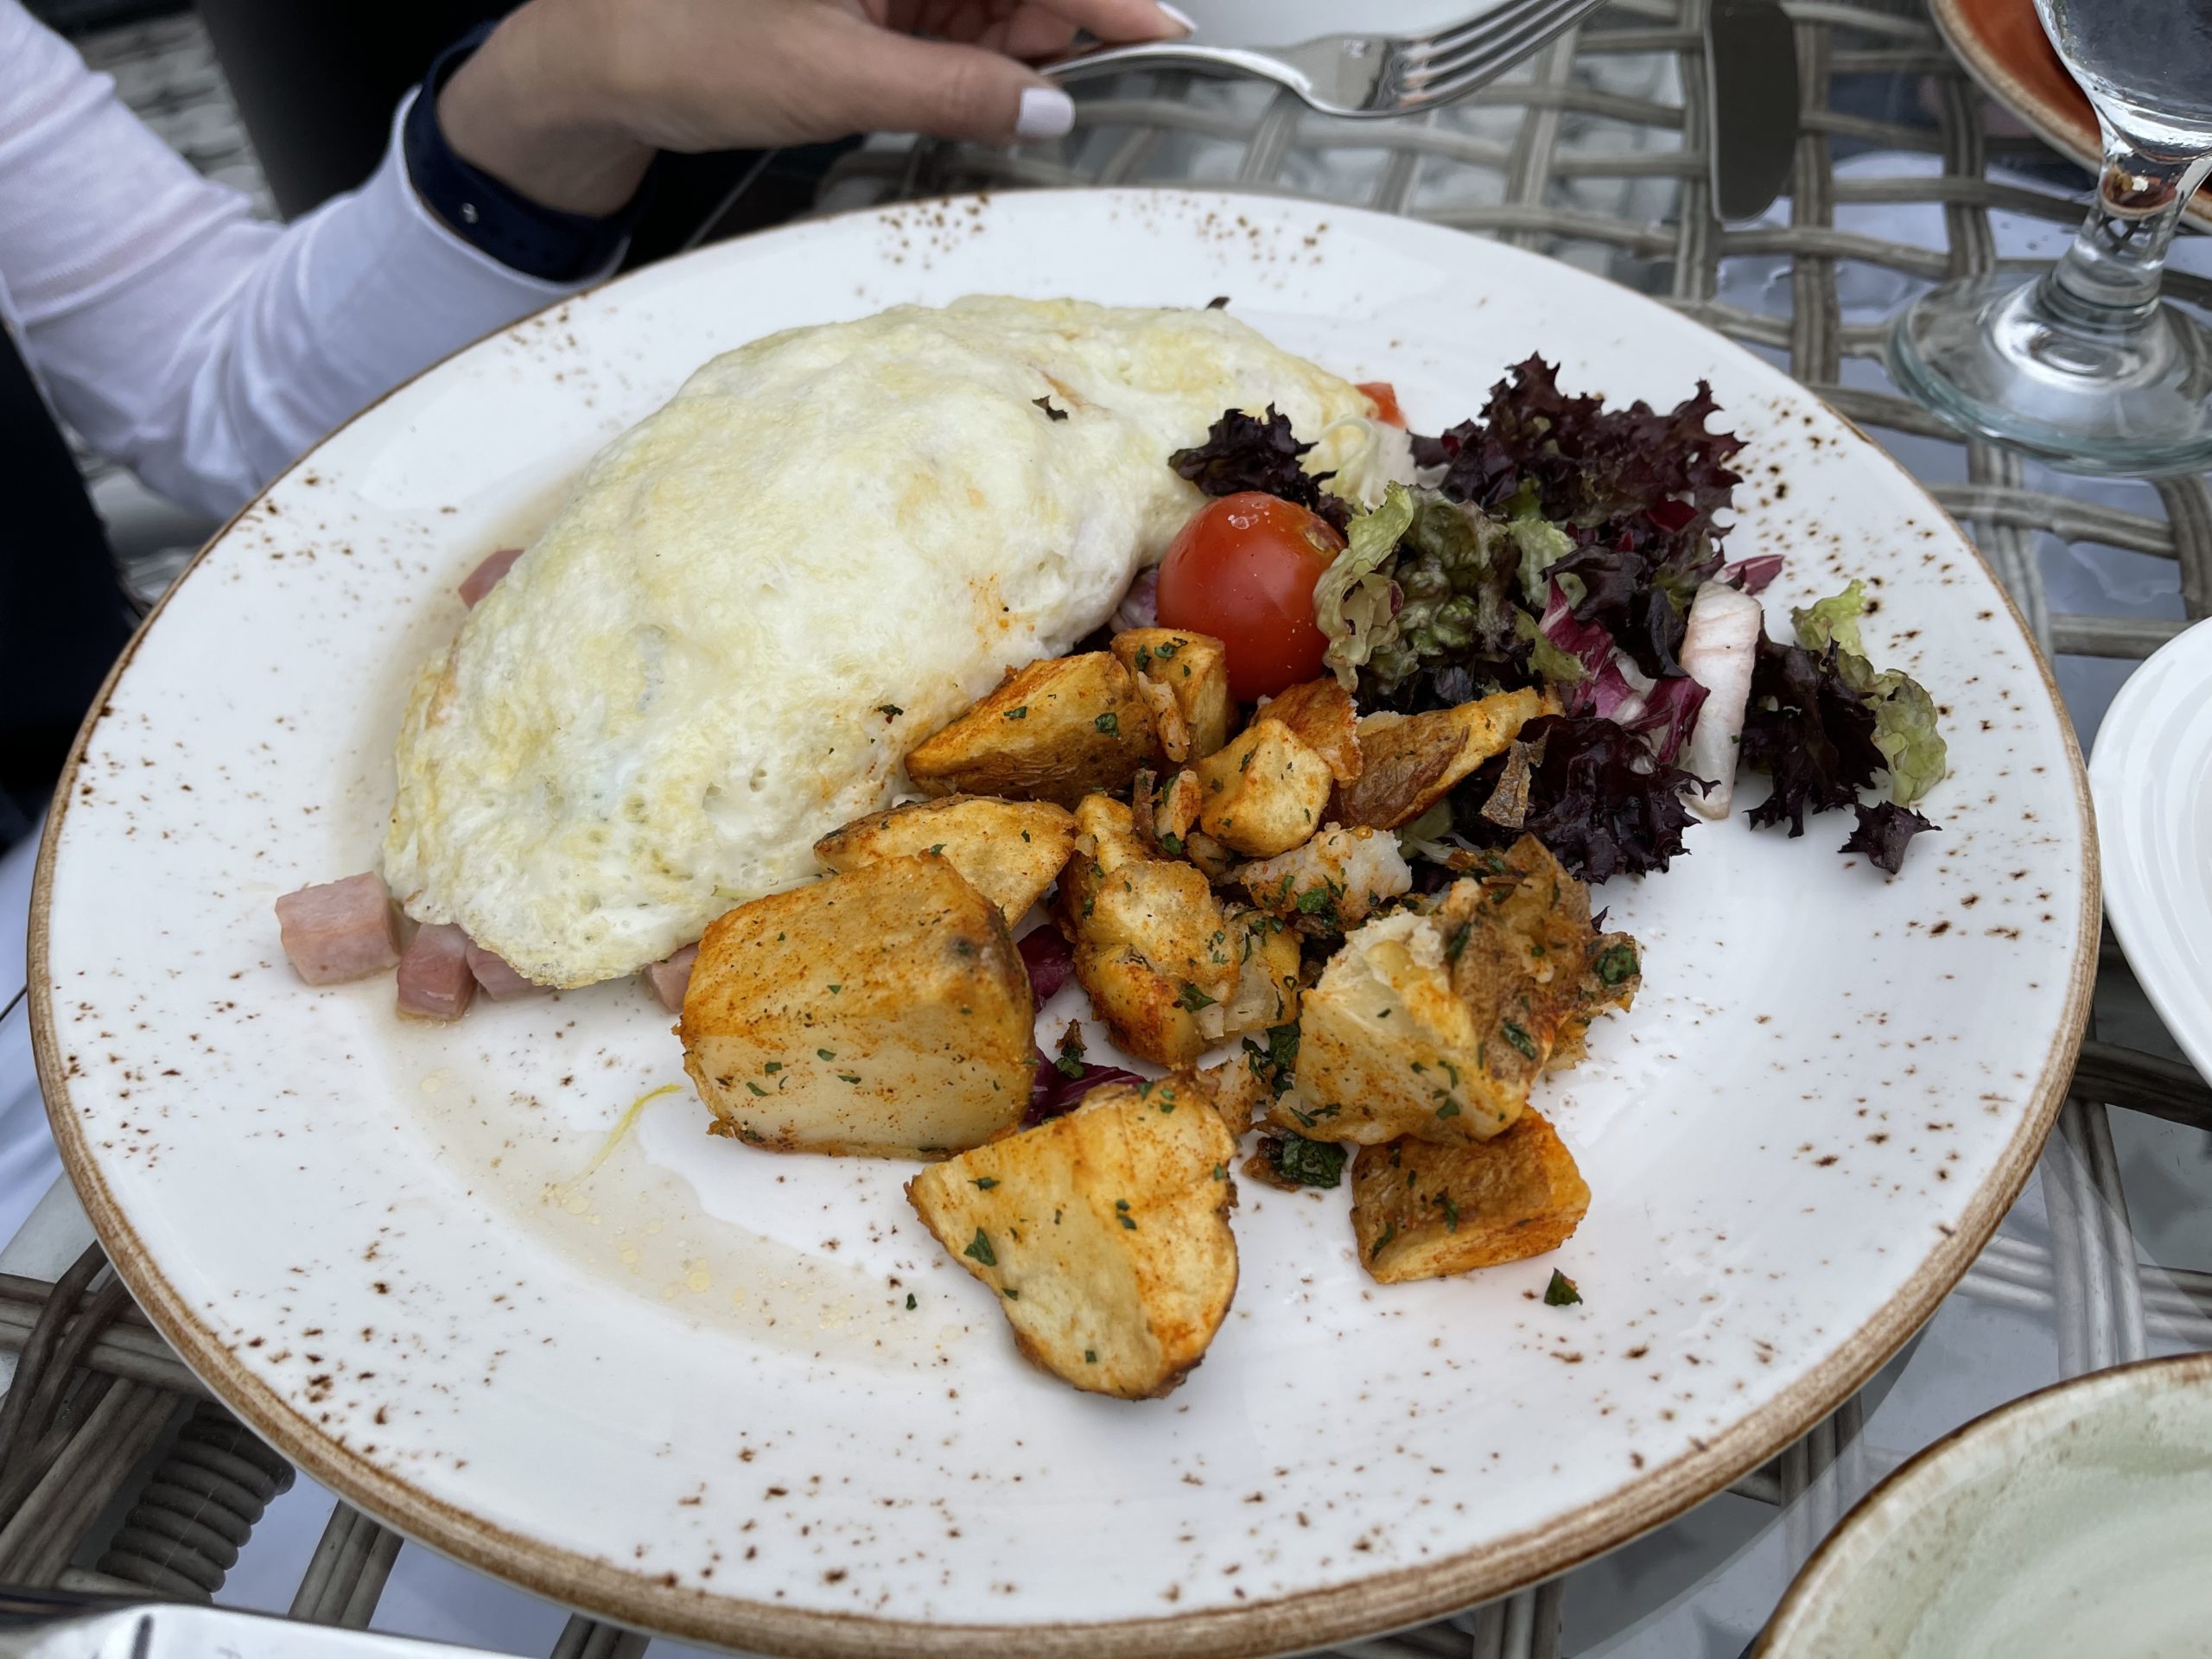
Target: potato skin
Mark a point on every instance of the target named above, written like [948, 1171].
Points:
[1104, 1234]
[1421, 1210]
[1320, 713]
[1194, 667]
[1054, 731]
[1409, 762]
[882, 1012]
[1009, 850]
[1264, 792]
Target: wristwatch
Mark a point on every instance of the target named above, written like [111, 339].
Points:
[522, 234]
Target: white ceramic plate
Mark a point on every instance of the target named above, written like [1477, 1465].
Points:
[2076, 1521]
[2153, 778]
[686, 1391]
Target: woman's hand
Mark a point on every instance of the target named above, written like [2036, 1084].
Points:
[569, 99]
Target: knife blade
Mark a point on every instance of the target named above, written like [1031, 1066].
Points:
[1750, 54]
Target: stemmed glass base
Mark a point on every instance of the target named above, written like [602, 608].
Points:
[2011, 356]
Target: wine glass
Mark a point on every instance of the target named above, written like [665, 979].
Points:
[2083, 366]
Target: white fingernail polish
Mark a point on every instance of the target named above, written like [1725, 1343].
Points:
[1175, 14]
[1046, 113]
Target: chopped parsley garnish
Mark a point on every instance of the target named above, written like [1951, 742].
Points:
[1449, 1109]
[1011, 1295]
[1220, 1173]
[1615, 963]
[772, 1066]
[1194, 999]
[1070, 1063]
[848, 1077]
[1167, 652]
[981, 1249]
[1091, 1356]
[1021, 713]
[889, 710]
[1316, 900]
[1110, 724]
[1303, 1162]
[834, 990]
[1045, 403]
[1520, 1038]
[1561, 1293]
[756, 1089]
[910, 1301]
[1458, 942]
[1389, 1233]
[825, 1053]
[1451, 1214]
[984, 1183]
[1171, 844]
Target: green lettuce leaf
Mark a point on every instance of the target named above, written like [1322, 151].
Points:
[1904, 714]
[1351, 602]
[1541, 545]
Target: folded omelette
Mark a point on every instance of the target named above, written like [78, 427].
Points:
[756, 601]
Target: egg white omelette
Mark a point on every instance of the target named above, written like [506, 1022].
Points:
[757, 600]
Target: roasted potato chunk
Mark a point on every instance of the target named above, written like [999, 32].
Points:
[1055, 731]
[1264, 792]
[1010, 851]
[1527, 962]
[1151, 941]
[1266, 992]
[1193, 668]
[1387, 1048]
[1104, 1235]
[1410, 762]
[883, 1012]
[1420, 1210]
[1320, 714]
[1334, 882]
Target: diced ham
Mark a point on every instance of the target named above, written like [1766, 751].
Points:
[670, 980]
[486, 577]
[340, 930]
[434, 982]
[495, 979]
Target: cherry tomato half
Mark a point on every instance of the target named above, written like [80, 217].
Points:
[1243, 571]
[1385, 398]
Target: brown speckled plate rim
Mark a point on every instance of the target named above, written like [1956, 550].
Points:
[1800, 1600]
[1288, 1624]
[2057, 124]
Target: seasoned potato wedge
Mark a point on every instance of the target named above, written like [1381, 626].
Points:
[1264, 792]
[884, 1011]
[1320, 714]
[1151, 941]
[1419, 1211]
[1334, 882]
[1193, 668]
[1411, 761]
[1055, 731]
[1009, 850]
[1104, 1235]
[1387, 1048]
[1527, 962]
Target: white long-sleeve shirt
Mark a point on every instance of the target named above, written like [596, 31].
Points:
[200, 347]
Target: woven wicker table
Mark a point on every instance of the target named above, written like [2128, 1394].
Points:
[117, 1473]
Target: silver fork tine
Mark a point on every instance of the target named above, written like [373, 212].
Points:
[1422, 50]
[1441, 82]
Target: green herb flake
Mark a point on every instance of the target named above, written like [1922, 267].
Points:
[889, 710]
[981, 1249]
[835, 989]
[1451, 1215]
[1458, 942]
[1021, 713]
[1306, 1163]
[1389, 1233]
[1519, 1038]
[848, 1077]
[1167, 652]
[756, 1089]
[772, 1067]
[1449, 1109]
[1110, 724]
[1171, 844]
[910, 1301]
[1129, 1222]
[1194, 999]
[1615, 963]
[1091, 1356]
[1220, 1173]
[1011, 1295]
[1561, 1293]
[825, 1053]
[984, 1183]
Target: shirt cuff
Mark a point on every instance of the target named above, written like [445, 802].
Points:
[525, 236]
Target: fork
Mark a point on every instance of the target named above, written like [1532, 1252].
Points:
[1360, 76]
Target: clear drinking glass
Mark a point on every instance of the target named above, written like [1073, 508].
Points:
[2083, 364]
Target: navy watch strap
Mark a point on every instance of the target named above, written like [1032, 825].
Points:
[521, 234]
